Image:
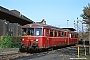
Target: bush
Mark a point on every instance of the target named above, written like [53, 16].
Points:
[7, 42]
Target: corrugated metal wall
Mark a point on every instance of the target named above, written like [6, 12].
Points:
[12, 29]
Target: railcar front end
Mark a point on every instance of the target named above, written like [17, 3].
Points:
[32, 39]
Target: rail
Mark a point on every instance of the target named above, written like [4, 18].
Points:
[12, 55]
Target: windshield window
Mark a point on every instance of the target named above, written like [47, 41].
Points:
[30, 31]
[38, 31]
[24, 31]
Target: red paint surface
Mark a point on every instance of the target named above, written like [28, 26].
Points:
[44, 41]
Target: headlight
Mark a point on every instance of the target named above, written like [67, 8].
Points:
[36, 39]
[22, 39]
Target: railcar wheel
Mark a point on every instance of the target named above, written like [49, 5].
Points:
[21, 49]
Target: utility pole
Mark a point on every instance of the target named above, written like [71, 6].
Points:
[89, 36]
[74, 23]
[67, 23]
[77, 24]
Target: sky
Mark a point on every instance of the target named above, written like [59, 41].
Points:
[55, 12]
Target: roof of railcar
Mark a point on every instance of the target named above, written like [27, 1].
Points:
[48, 26]
[41, 25]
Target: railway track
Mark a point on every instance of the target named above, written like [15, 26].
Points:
[56, 53]
[13, 56]
[23, 55]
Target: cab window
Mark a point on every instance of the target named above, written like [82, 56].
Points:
[24, 32]
[38, 31]
[30, 31]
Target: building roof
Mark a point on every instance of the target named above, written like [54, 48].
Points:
[9, 15]
[71, 29]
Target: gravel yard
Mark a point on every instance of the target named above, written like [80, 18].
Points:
[59, 54]
[8, 49]
[68, 53]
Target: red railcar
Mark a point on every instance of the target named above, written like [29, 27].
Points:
[38, 36]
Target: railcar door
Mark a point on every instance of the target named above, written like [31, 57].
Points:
[47, 37]
[68, 39]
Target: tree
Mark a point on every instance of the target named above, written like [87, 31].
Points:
[86, 17]
[86, 14]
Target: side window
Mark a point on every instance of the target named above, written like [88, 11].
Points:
[47, 32]
[65, 34]
[51, 33]
[44, 32]
[72, 35]
[55, 33]
[58, 33]
[76, 35]
[62, 34]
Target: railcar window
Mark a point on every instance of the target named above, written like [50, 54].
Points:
[47, 32]
[58, 33]
[55, 34]
[72, 35]
[62, 34]
[30, 31]
[51, 33]
[38, 31]
[76, 35]
[24, 31]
